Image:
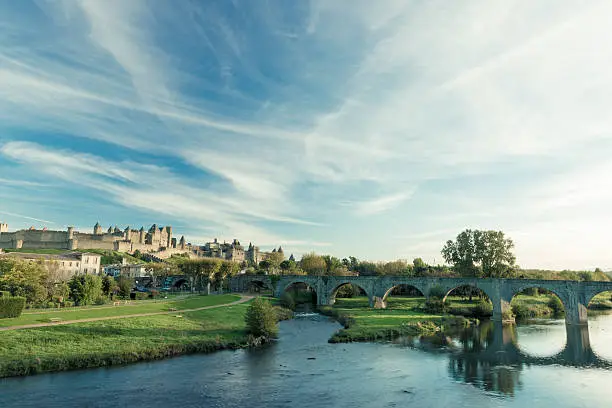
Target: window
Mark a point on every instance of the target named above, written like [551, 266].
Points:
[70, 263]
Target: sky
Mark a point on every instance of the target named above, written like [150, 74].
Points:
[374, 129]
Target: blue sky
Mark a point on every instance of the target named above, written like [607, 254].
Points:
[375, 129]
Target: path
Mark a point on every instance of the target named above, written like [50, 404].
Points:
[243, 299]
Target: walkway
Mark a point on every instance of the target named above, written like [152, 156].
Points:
[243, 299]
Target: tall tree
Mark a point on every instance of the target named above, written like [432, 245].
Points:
[481, 254]
[313, 264]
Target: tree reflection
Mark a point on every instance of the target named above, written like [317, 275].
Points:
[487, 356]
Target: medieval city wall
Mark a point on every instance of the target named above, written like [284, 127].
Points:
[35, 239]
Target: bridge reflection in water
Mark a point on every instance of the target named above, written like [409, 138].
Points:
[489, 356]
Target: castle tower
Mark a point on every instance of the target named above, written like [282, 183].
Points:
[72, 243]
[141, 238]
[110, 230]
[168, 243]
[3, 227]
[182, 243]
[97, 229]
[126, 233]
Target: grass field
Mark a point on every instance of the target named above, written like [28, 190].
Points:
[112, 342]
[366, 323]
[147, 306]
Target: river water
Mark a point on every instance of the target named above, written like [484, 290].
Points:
[539, 364]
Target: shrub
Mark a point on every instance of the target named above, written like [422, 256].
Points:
[5, 293]
[141, 295]
[154, 294]
[483, 309]
[100, 301]
[435, 305]
[11, 306]
[287, 300]
[261, 319]
[556, 305]
[283, 313]
[68, 303]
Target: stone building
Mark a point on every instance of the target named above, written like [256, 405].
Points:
[229, 251]
[63, 266]
[127, 240]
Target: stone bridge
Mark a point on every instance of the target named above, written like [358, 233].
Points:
[574, 295]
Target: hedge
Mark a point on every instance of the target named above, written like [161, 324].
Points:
[5, 293]
[11, 306]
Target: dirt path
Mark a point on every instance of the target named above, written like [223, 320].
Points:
[243, 299]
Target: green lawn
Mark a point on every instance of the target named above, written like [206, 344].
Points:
[121, 341]
[148, 306]
[400, 317]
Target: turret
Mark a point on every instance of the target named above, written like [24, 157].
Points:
[110, 230]
[97, 229]
[3, 227]
[141, 238]
[280, 249]
[292, 258]
[182, 242]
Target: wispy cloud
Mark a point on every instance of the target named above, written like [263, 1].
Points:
[381, 204]
[26, 217]
[264, 122]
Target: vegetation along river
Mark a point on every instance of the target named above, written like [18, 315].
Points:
[537, 364]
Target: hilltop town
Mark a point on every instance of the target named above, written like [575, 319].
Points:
[79, 252]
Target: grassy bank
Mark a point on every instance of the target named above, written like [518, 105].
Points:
[136, 307]
[98, 344]
[362, 323]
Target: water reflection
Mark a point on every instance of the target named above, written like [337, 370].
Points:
[492, 356]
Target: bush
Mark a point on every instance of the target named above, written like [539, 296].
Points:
[11, 306]
[287, 301]
[556, 305]
[68, 303]
[100, 301]
[261, 319]
[154, 294]
[483, 309]
[141, 295]
[5, 293]
[283, 313]
[435, 305]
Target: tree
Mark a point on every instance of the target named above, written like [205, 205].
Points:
[109, 286]
[274, 261]
[261, 319]
[24, 278]
[481, 254]
[313, 264]
[85, 289]
[365, 268]
[419, 267]
[124, 285]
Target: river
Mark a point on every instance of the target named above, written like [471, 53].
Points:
[538, 364]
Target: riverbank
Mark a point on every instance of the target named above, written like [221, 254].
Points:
[407, 316]
[122, 340]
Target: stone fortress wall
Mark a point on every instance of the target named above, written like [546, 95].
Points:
[129, 240]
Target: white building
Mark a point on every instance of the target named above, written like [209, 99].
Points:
[64, 265]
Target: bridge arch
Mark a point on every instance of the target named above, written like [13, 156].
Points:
[418, 291]
[334, 291]
[179, 283]
[475, 289]
[537, 286]
[286, 286]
